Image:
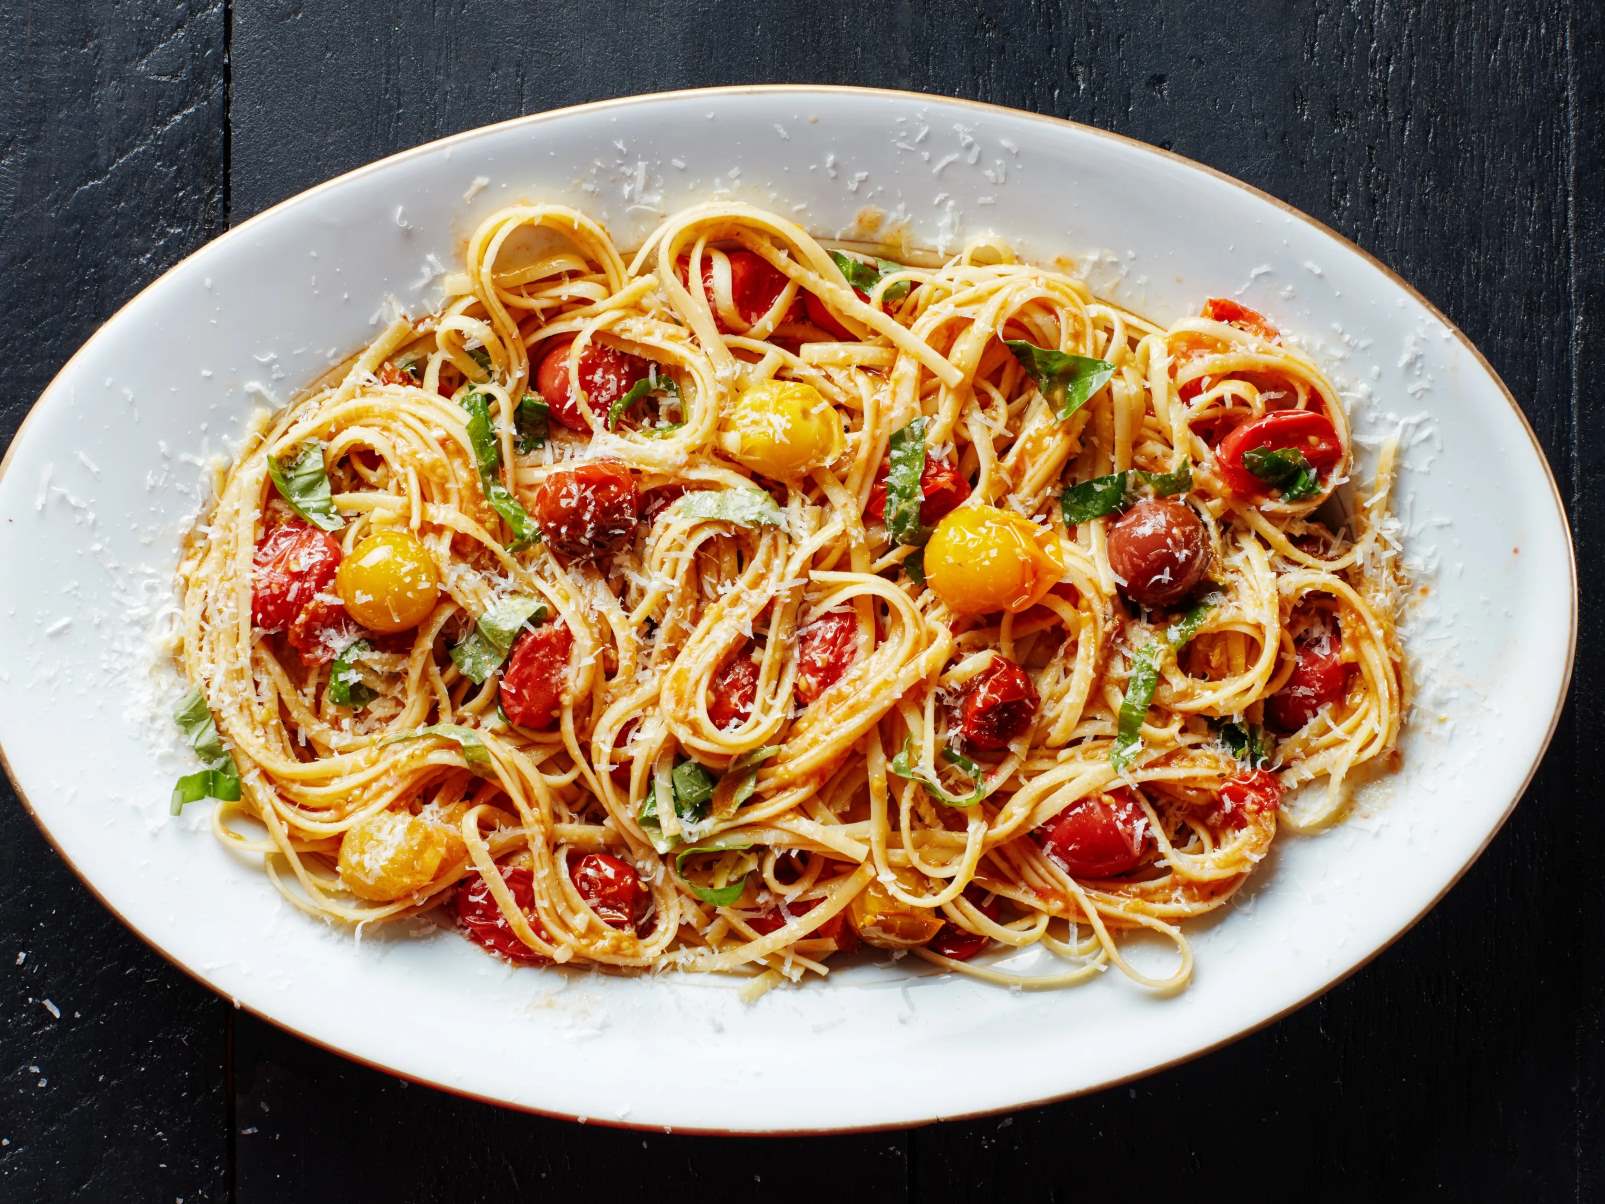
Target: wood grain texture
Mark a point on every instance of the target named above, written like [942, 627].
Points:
[111, 169]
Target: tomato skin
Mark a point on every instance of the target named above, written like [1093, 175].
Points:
[612, 888]
[1100, 837]
[587, 510]
[754, 285]
[482, 921]
[1319, 678]
[1248, 794]
[819, 314]
[655, 501]
[294, 562]
[532, 680]
[834, 929]
[319, 629]
[961, 944]
[1159, 550]
[825, 649]
[943, 490]
[732, 692]
[1233, 313]
[1303, 430]
[620, 773]
[606, 374]
[998, 706]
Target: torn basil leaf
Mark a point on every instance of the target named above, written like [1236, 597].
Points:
[221, 777]
[914, 566]
[645, 387]
[475, 754]
[748, 507]
[1168, 484]
[1067, 381]
[692, 784]
[904, 766]
[1246, 742]
[488, 459]
[718, 896]
[1143, 678]
[903, 494]
[864, 278]
[484, 649]
[1286, 468]
[346, 687]
[1093, 499]
[304, 484]
[532, 420]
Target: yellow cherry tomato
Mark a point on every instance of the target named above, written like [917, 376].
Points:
[782, 429]
[887, 922]
[388, 582]
[981, 558]
[391, 854]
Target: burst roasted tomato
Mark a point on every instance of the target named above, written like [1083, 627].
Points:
[835, 929]
[1303, 431]
[1159, 551]
[732, 692]
[294, 562]
[1233, 313]
[606, 374]
[1249, 794]
[1319, 679]
[825, 648]
[655, 501]
[620, 773]
[483, 923]
[998, 705]
[532, 681]
[961, 944]
[587, 510]
[611, 887]
[754, 287]
[321, 629]
[819, 314]
[943, 490]
[1100, 837]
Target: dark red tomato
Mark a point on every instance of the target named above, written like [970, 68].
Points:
[1319, 678]
[998, 706]
[1159, 551]
[532, 682]
[611, 887]
[482, 921]
[835, 929]
[1300, 430]
[1224, 309]
[942, 489]
[587, 510]
[819, 314]
[960, 943]
[1249, 794]
[320, 630]
[1100, 837]
[294, 562]
[606, 374]
[732, 692]
[620, 773]
[655, 501]
[754, 286]
[825, 648]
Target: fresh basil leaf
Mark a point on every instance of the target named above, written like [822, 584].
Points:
[1246, 742]
[221, 777]
[903, 494]
[903, 765]
[221, 782]
[747, 507]
[1142, 680]
[1067, 381]
[466, 738]
[532, 420]
[743, 775]
[645, 387]
[1286, 468]
[304, 483]
[194, 719]
[1185, 628]
[864, 278]
[914, 566]
[692, 784]
[481, 356]
[413, 366]
[346, 687]
[1093, 499]
[488, 459]
[484, 649]
[719, 896]
[1167, 484]
[894, 292]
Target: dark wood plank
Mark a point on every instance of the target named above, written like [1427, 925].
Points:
[111, 169]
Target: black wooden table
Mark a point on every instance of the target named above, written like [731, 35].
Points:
[1462, 143]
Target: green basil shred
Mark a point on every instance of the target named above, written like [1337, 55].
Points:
[532, 420]
[903, 493]
[1286, 468]
[864, 278]
[346, 687]
[483, 650]
[692, 784]
[304, 483]
[1067, 381]
[1246, 742]
[475, 754]
[488, 459]
[904, 766]
[718, 896]
[221, 777]
[1104, 495]
[1142, 679]
[645, 387]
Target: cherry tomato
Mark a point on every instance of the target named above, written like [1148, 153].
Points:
[655, 501]
[1100, 837]
[482, 921]
[611, 887]
[819, 314]
[390, 374]
[1300, 430]
[587, 510]
[532, 682]
[943, 490]
[294, 562]
[1224, 309]
[998, 705]
[1246, 795]
[606, 374]
[732, 692]
[961, 944]
[754, 286]
[320, 630]
[825, 648]
[835, 929]
[1159, 551]
[620, 773]
[1319, 678]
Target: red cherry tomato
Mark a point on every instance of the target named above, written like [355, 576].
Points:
[754, 286]
[1301, 430]
[943, 489]
[1319, 678]
[294, 562]
[1100, 837]
[320, 630]
[655, 501]
[835, 929]
[819, 314]
[1159, 551]
[961, 944]
[532, 681]
[998, 705]
[620, 773]
[483, 923]
[1224, 309]
[606, 374]
[611, 887]
[825, 648]
[390, 374]
[732, 692]
[587, 510]
[1248, 794]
